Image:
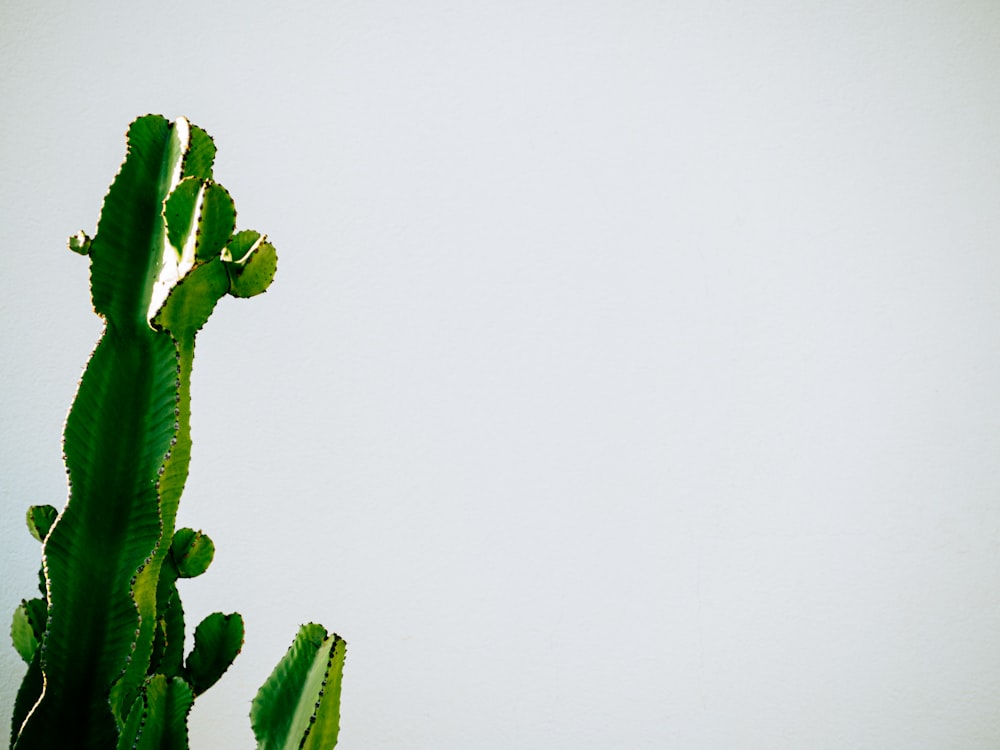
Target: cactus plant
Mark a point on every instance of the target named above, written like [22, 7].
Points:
[104, 642]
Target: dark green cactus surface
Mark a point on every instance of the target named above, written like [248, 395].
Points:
[104, 641]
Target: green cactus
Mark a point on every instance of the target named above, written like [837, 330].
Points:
[104, 642]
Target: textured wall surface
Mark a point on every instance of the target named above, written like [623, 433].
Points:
[631, 374]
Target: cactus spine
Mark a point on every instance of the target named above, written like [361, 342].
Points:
[104, 641]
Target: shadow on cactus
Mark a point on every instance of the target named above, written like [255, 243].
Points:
[104, 642]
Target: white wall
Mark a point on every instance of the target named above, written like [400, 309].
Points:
[631, 375]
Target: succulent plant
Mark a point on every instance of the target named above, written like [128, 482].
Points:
[104, 641]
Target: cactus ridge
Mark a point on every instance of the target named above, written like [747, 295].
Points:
[104, 643]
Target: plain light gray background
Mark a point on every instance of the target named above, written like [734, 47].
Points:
[630, 377]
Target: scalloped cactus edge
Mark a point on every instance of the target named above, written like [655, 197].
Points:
[104, 642]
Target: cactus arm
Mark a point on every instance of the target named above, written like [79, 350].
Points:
[192, 552]
[28, 624]
[157, 719]
[298, 707]
[28, 627]
[167, 657]
[40, 519]
[201, 153]
[251, 262]
[217, 641]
